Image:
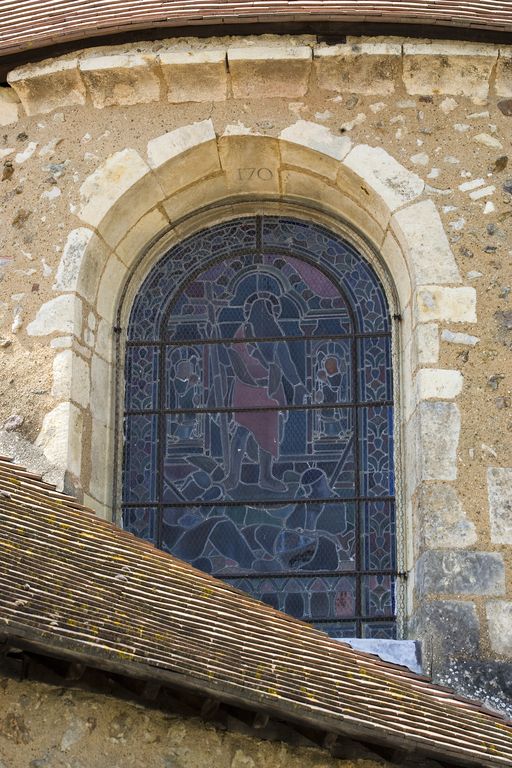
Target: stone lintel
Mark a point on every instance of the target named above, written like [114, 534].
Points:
[121, 79]
[461, 69]
[269, 72]
[9, 106]
[43, 88]
[370, 69]
[195, 76]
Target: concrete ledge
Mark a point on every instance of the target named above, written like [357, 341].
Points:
[121, 80]
[369, 69]
[195, 75]
[273, 72]
[45, 87]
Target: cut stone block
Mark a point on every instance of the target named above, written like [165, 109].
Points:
[443, 522]
[121, 79]
[70, 378]
[45, 87]
[453, 305]
[499, 622]
[181, 157]
[60, 315]
[194, 75]
[9, 106]
[439, 429]
[100, 389]
[117, 194]
[438, 384]
[367, 68]
[427, 343]
[503, 79]
[450, 625]
[69, 267]
[438, 68]
[267, 72]
[461, 573]
[386, 177]
[251, 163]
[298, 139]
[499, 489]
[420, 232]
[60, 437]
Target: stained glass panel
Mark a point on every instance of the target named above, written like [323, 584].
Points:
[259, 420]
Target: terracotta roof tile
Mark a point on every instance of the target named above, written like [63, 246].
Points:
[27, 24]
[76, 586]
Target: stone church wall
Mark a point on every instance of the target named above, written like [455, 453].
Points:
[110, 155]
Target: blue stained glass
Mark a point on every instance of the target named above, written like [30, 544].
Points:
[259, 352]
[381, 630]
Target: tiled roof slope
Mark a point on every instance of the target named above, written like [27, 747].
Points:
[74, 585]
[28, 24]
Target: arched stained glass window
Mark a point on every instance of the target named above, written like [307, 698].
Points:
[259, 420]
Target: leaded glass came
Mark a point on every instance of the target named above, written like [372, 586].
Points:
[259, 420]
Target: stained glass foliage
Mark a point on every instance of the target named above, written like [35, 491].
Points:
[259, 420]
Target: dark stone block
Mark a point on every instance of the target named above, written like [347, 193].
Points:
[490, 682]
[460, 573]
[447, 628]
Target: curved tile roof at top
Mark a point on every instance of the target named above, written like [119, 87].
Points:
[32, 24]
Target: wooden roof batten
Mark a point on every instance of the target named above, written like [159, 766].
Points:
[26, 25]
[75, 587]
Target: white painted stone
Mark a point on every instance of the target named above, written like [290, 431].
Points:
[427, 343]
[421, 233]
[68, 270]
[443, 522]
[108, 183]
[318, 138]
[169, 145]
[9, 106]
[100, 389]
[499, 622]
[438, 384]
[121, 79]
[60, 437]
[48, 86]
[439, 429]
[60, 315]
[388, 179]
[459, 338]
[195, 76]
[488, 141]
[499, 489]
[437, 302]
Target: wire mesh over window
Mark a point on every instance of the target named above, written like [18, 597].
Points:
[259, 420]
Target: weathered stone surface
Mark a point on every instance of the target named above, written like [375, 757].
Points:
[109, 288]
[318, 138]
[420, 231]
[499, 623]
[487, 681]
[141, 235]
[71, 378]
[437, 302]
[459, 338]
[9, 106]
[48, 86]
[438, 384]
[100, 389]
[505, 107]
[25, 453]
[499, 489]
[459, 70]
[503, 76]
[439, 429]
[261, 72]
[366, 68]
[390, 180]
[181, 157]
[60, 437]
[427, 343]
[117, 194]
[460, 573]
[451, 626]
[251, 163]
[121, 79]
[195, 75]
[69, 267]
[443, 522]
[62, 314]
